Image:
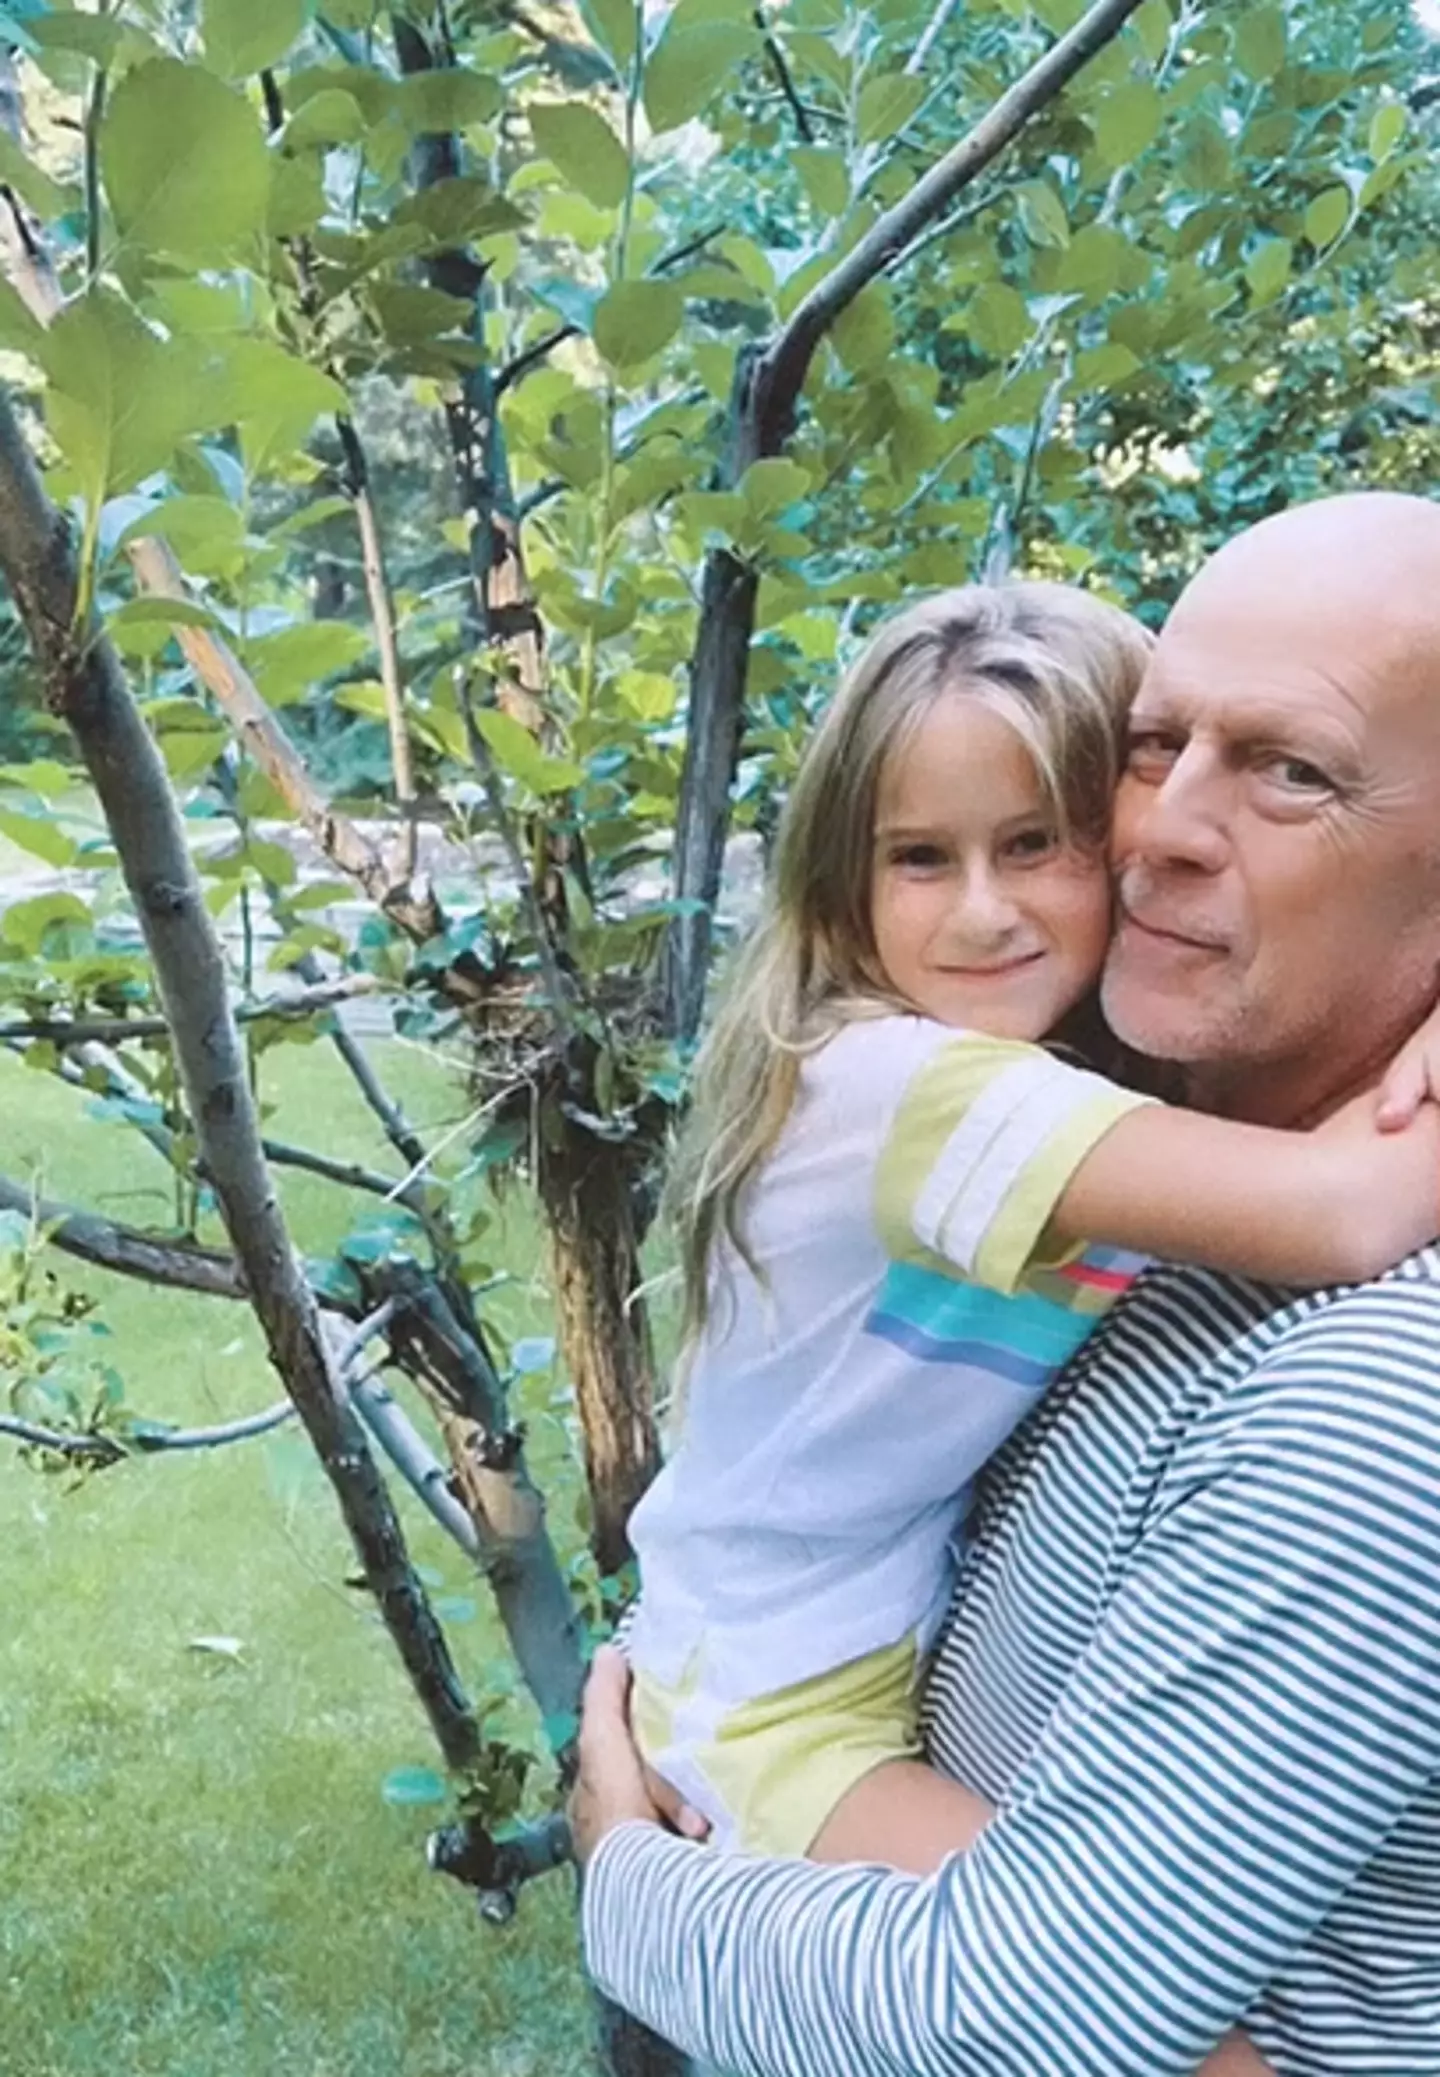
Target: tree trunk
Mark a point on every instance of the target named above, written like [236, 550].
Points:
[585, 1186]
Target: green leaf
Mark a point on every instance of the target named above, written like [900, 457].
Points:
[614, 25]
[246, 36]
[1043, 214]
[1268, 269]
[434, 103]
[886, 104]
[273, 398]
[687, 67]
[1092, 264]
[47, 197]
[161, 613]
[581, 144]
[330, 117]
[1260, 42]
[1127, 121]
[998, 321]
[42, 775]
[1101, 367]
[289, 662]
[1205, 155]
[117, 398]
[19, 331]
[1387, 127]
[825, 178]
[408, 1787]
[517, 753]
[40, 835]
[771, 486]
[458, 209]
[864, 332]
[185, 165]
[28, 924]
[1327, 216]
[635, 319]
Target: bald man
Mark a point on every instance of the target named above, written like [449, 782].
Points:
[1194, 1659]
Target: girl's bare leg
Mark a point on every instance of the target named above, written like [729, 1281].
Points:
[906, 1816]
[903, 1814]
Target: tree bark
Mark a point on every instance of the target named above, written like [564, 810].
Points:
[586, 1188]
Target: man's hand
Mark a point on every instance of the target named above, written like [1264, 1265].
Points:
[614, 1785]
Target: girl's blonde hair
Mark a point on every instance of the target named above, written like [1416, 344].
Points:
[1062, 669]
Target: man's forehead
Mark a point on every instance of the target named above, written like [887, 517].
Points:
[1197, 672]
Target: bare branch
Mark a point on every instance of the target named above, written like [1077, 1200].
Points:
[776, 60]
[516, 370]
[151, 1440]
[417, 1464]
[382, 615]
[232, 688]
[352, 1175]
[115, 1031]
[929, 36]
[180, 1265]
[105, 1448]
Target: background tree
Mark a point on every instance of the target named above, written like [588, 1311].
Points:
[497, 423]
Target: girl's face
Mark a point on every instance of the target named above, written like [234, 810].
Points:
[980, 916]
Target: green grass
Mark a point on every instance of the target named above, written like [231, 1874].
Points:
[198, 1874]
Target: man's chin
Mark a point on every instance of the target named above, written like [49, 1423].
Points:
[1162, 1023]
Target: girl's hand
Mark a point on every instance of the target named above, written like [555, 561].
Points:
[1412, 1078]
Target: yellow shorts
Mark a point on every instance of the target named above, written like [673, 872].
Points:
[776, 1767]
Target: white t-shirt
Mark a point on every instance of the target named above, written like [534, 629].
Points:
[836, 1414]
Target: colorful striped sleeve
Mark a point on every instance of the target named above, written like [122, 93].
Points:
[985, 1141]
[1257, 1710]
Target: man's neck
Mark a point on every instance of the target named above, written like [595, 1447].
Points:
[1291, 1095]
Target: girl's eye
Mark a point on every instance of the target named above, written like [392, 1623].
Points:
[919, 857]
[1032, 843]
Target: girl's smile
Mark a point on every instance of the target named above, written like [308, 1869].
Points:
[981, 915]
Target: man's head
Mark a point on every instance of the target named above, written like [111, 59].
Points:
[1277, 831]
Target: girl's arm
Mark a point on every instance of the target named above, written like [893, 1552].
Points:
[1336, 1205]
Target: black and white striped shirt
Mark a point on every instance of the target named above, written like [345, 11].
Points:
[1195, 1661]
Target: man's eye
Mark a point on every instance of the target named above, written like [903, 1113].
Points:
[1150, 755]
[1300, 776]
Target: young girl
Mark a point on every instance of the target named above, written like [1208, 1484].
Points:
[904, 1203]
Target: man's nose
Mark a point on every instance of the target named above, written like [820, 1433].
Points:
[1182, 822]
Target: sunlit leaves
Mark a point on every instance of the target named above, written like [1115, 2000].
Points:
[886, 104]
[635, 319]
[185, 164]
[1260, 42]
[1127, 122]
[689, 65]
[116, 400]
[1327, 216]
[245, 36]
[1268, 269]
[824, 177]
[583, 148]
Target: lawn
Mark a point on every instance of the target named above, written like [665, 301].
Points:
[198, 1873]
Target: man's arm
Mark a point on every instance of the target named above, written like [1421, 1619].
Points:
[1261, 1703]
